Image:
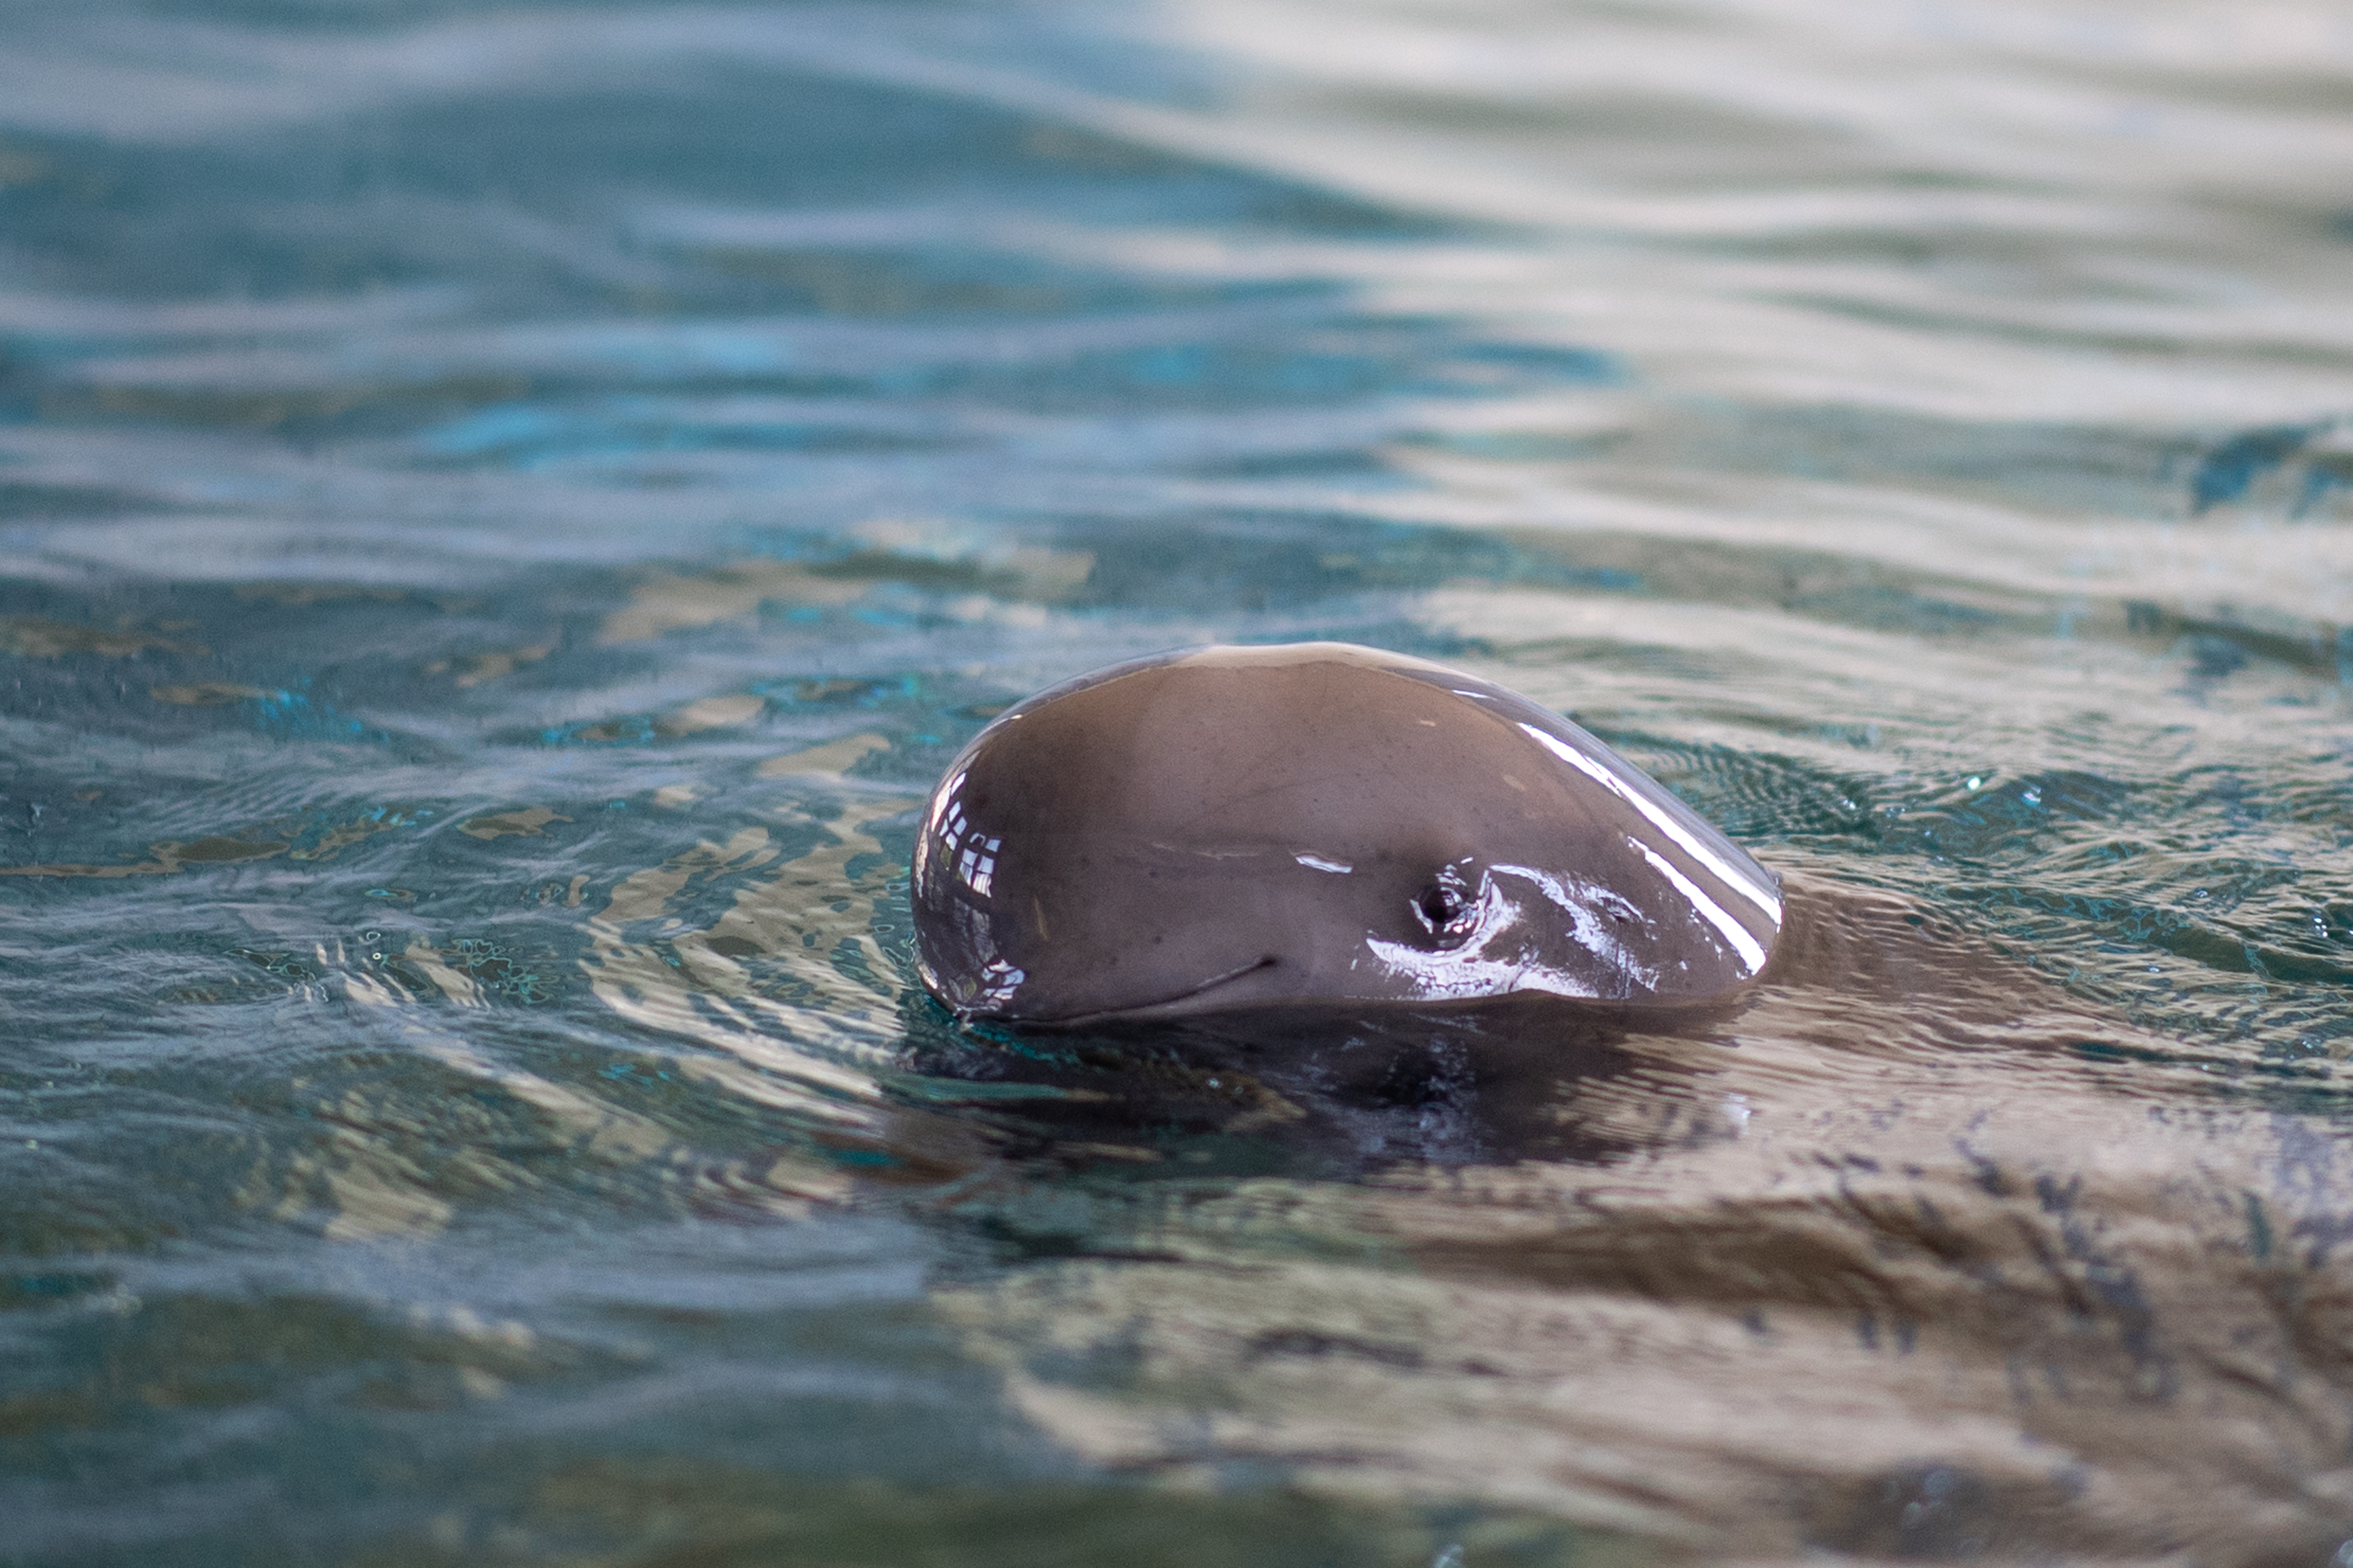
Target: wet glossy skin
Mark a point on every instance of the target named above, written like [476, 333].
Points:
[1315, 823]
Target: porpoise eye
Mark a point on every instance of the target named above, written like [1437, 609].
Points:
[1445, 906]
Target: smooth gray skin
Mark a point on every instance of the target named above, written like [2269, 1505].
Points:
[1232, 827]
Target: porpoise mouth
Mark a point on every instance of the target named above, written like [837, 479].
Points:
[1133, 1008]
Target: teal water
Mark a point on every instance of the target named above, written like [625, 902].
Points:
[504, 510]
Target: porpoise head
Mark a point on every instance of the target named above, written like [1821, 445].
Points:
[1237, 828]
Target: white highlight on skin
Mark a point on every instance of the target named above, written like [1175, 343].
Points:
[1733, 931]
[1579, 899]
[1468, 971]
[999, 981]
[1318, 863]
[1764, 897]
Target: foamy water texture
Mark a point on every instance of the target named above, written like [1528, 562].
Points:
[506, 509]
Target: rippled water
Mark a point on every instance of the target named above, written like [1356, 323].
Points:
[507, 509]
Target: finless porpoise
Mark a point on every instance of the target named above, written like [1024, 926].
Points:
[1315, 823]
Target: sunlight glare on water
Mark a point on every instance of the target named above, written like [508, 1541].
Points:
[505, 510]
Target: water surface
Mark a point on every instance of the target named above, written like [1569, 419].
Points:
[504, 510]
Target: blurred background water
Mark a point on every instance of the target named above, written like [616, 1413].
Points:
[505, 509]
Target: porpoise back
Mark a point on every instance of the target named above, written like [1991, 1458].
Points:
[1313, 823]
